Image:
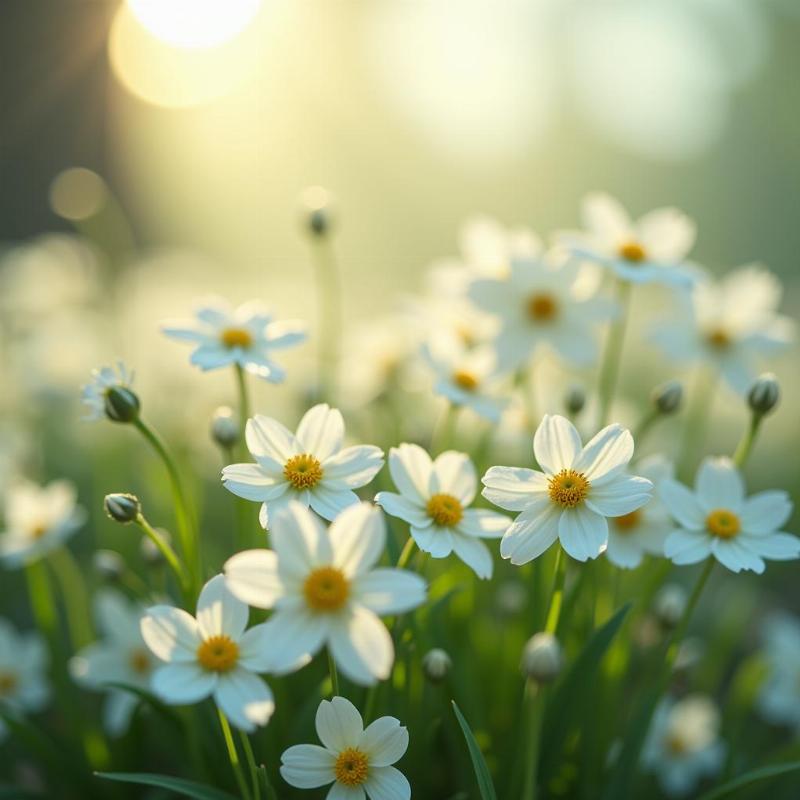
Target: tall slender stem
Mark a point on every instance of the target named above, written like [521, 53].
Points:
[169, 554]
[41, 598]
[680, 629]
[74, 596]
[251, 764]
[236, 765]
[244, 407]
[745, 446]
[609, 370]
[534, 707]
[696, 418]
[557, 594]
[329, 304]
[334, 675]
[405, 554]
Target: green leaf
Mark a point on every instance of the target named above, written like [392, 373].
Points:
[771, 771]
[485, 785]
[181, 786]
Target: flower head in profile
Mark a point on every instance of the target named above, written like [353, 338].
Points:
[103, 379]
[652, 249]
[121, 656]
[682, 745]
[779, 696]
[212, 655]
[434, 500]
[542, 304]
[732, 324]
[717, 519]
[310, 467]
[326, 590]
[23, 662]
[246, 336]
[577, 488]
[38, 520]
[356, 760]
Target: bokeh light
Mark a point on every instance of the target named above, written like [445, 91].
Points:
[77, 193]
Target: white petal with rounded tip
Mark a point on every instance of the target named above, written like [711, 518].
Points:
[719, 485]
[252, 576]
[307, 766]
[582, 533]
[556, 443]
[483, 523]
[514, 488]
[682, 505]
[321, 431]
[620, 495]
[171, 633]
[733, 555]
[251, 483]
[292, 635]
[357, 537]
[99, 664]
[605, 217]
[385, 741]
[354, 466]
[530, 535]
[361, 646]
[244, 699]
[183, 683]
[435, 540]
[776, 546]
[338, 724]
[624, 550]
[402, 507]
[667, 234]
[256, 650]
[474, 553]
[455, 474]
[411, 468]
[329, 503]
[117, 712]
[687, 547]
[766, 511]
[605, 455]
[300, 540]
[390, 591]
[341, 792]
[267, 437]
[387, 783]
[219, 611]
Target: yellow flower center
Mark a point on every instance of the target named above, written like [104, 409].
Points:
[218, 653]
[676, 745]
[719, 339]
[569, 488]
[139, 662]
[39, 530]
[303, 471]
[542, 307]
[8, 683]
[465, 380]
[723, 523]
[236, 337]
[352, 767]
[445, 510]
[627, 522]
[326, 589]
[632, 251]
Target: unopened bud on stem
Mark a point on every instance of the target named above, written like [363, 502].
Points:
[575, 400]
[108, 564]
[124, 508]
[224, 427]
[668, 397]
[122, 404]
[542, 658]
[436, 664]
[316, 210]
[764, 394]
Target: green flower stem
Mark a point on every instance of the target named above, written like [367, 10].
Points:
[675, 640]
[169, 554]
[745, 446]
[534, 707]
[236, 765]
[557, 594]
[41, 598]
[244, 407]
[74, 596]
[696, 421]
[609, 370]
[644, 425]
[334, 674]
[183, 516]
[444, 434]
[329, 305]
[251, 764]
[405, 554]
[526, 380]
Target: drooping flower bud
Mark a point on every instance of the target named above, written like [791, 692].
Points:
[108, 564]
[669, 604]
[436, 664]
[316, 211]
[668, 397]
[122, 404]
[575, 399]
[122, 508]
[764, 394]
[224, 427]
[542, 658]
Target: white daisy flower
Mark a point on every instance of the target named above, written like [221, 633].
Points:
[717, 519]
[309, 467]
[103, 379]
[642, 531]
[120, 657]
[488, 247]
[779, 697]
[542, 304]
[433, 500]
[212, 655]
[357, 761]
[652, 249]
[38, 520]
[325, 590]
[682, 745]
[245, 335]
[731, 324]
[569, 500]
[23, 662]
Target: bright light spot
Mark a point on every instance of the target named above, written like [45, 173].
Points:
[77, 193]
[195, 23]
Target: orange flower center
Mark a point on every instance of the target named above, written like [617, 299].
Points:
[444, 510]
[542, 307]
[465, 380]
[627, 522]
[39, 530]
[568, 488]
[633, 252]
[326, 589]
[719, 339]
[303, 471]
[236, 337]
[218, 653]
[139, 662]
[723, 523]
[8, 683]
[351, 767]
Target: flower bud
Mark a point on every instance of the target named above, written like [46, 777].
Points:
[122, 508]
[764, 394]
[668, 397]
[316, 210]
[151, 555]
[511, 597]
[575, 399]
[108, 564]
[121, 404]
[542, 658]
[224, 427]
[436, 664]
[669, 604]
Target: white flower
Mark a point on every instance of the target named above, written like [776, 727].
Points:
[38, 520]
[541, 304]
[120, 657]
[245, 335]
[571, 497]
[730, 324]
[779, 696]
[433, 500]
[643, 530]
[23, 661]
[325, 591]
[651, 250]
[103, 379]
[682, 745]
[357, 761]
[310, 467]
[212, 655]
[487, 247]
[717, 519]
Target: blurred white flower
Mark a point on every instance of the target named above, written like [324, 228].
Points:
[539, 304]
[325, 590]
[121, 656]
[23, 661]
[104, 378]
[729, 324]
[38, 519]
[570, 499]
[310, 467]
[779, 697]
[357, 761]
[652, 249]
[212, 655]
[433, 500]
[682, 745]
[717, 519]
[245, 335]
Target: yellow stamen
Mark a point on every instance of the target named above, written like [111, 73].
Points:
[465, 380]
[676, 745]
[139, 661]
[236, 337]
[326, 589]
[39, 530]
[542, 307]
[719, 339]
[8, 683]
[445, 510]
[632, 251]
[627, 522]
[723, 523]
[352, 767]
[218, 653]
[568, 488]
[303, 471]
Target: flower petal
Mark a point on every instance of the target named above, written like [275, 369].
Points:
[329, 503]
[361, 646]
[357, 536]
[183, 683]
[513, 488]
[606, 454]
[252, 483]
[556, 443]
[390, 591]
[385, 741]
[766, 511]
[624, 550]
[619, 495]
[719, 485]
[321, 431]
[582, 533]
[340, 791]
[530, 534]
[434, 539]
[300, 540]
[252, 576]
[474, 553]
[776, 546]
[171, 633]
[682, 505]
[354, 466]
[219, 611]
[411, 468]
[244, 699]
[733, 555]
[294, 636]
[455, 474]
[387, 783]
[338, 723]
[256, 649]
[307, 766]
[687, 547]
[267, 437]
[402, 507]
[483, 523]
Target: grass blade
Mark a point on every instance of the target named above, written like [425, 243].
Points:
[199, 791]
[484, 779]
[760, 774]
